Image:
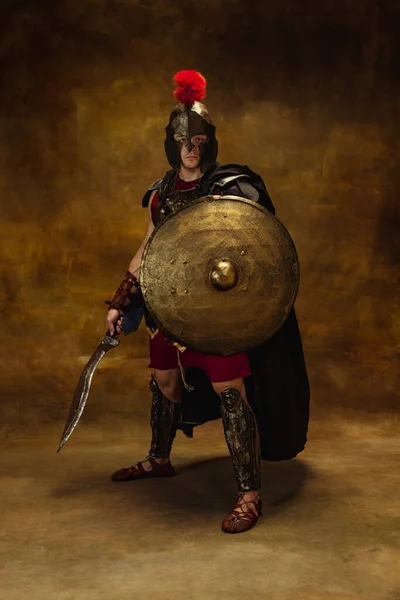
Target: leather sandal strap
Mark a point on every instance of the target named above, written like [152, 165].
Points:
[256, 504]
[154, 463]
[137, 470]
[248, 517]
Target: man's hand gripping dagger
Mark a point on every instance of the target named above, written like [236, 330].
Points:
[116, 306]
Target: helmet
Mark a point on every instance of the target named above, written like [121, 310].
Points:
[190, 118]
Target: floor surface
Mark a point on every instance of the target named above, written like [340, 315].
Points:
[330, 528]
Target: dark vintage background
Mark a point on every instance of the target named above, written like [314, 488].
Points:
[305, 93]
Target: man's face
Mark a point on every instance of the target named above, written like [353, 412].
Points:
[191, 159]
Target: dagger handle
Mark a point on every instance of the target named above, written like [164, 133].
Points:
[111, 340]
[115, 335]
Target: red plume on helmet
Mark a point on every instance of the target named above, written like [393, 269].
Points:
[191, 87]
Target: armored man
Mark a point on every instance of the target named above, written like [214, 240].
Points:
[262, 394]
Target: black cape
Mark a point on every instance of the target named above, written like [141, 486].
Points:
[278, 389]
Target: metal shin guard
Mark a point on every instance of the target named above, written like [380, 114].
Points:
[243, 439]
[164, 420]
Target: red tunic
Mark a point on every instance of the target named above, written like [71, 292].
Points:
[163, 355]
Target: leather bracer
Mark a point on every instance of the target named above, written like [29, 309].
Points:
[164, 420]
[127, 294]
[243, 439]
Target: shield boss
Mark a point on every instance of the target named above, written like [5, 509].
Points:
[220, 275]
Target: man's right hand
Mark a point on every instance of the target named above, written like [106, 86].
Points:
[114, 321]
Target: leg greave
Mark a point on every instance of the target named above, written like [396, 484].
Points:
[164, 420]
[243, 439]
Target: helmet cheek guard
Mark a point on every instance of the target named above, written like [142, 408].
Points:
[172, 149]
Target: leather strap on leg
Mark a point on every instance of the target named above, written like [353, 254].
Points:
[243, 439]
[164, 420]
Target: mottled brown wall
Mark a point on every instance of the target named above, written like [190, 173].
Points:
[306, 93]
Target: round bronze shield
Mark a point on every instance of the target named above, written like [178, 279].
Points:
[220, 275]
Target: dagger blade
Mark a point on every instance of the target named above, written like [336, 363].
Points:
[83, 387]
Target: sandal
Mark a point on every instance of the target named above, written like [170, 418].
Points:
[139, 472]
[238, 521]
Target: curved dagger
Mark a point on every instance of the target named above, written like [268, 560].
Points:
[82, 389]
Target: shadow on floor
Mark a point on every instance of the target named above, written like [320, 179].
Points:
[203, 487]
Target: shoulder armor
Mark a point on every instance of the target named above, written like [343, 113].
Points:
[241, 177]
[154, 186]
[223, 181]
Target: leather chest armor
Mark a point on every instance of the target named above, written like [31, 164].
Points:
[174, 201]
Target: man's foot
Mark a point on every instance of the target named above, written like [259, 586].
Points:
[244, 514]
[150, 467]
